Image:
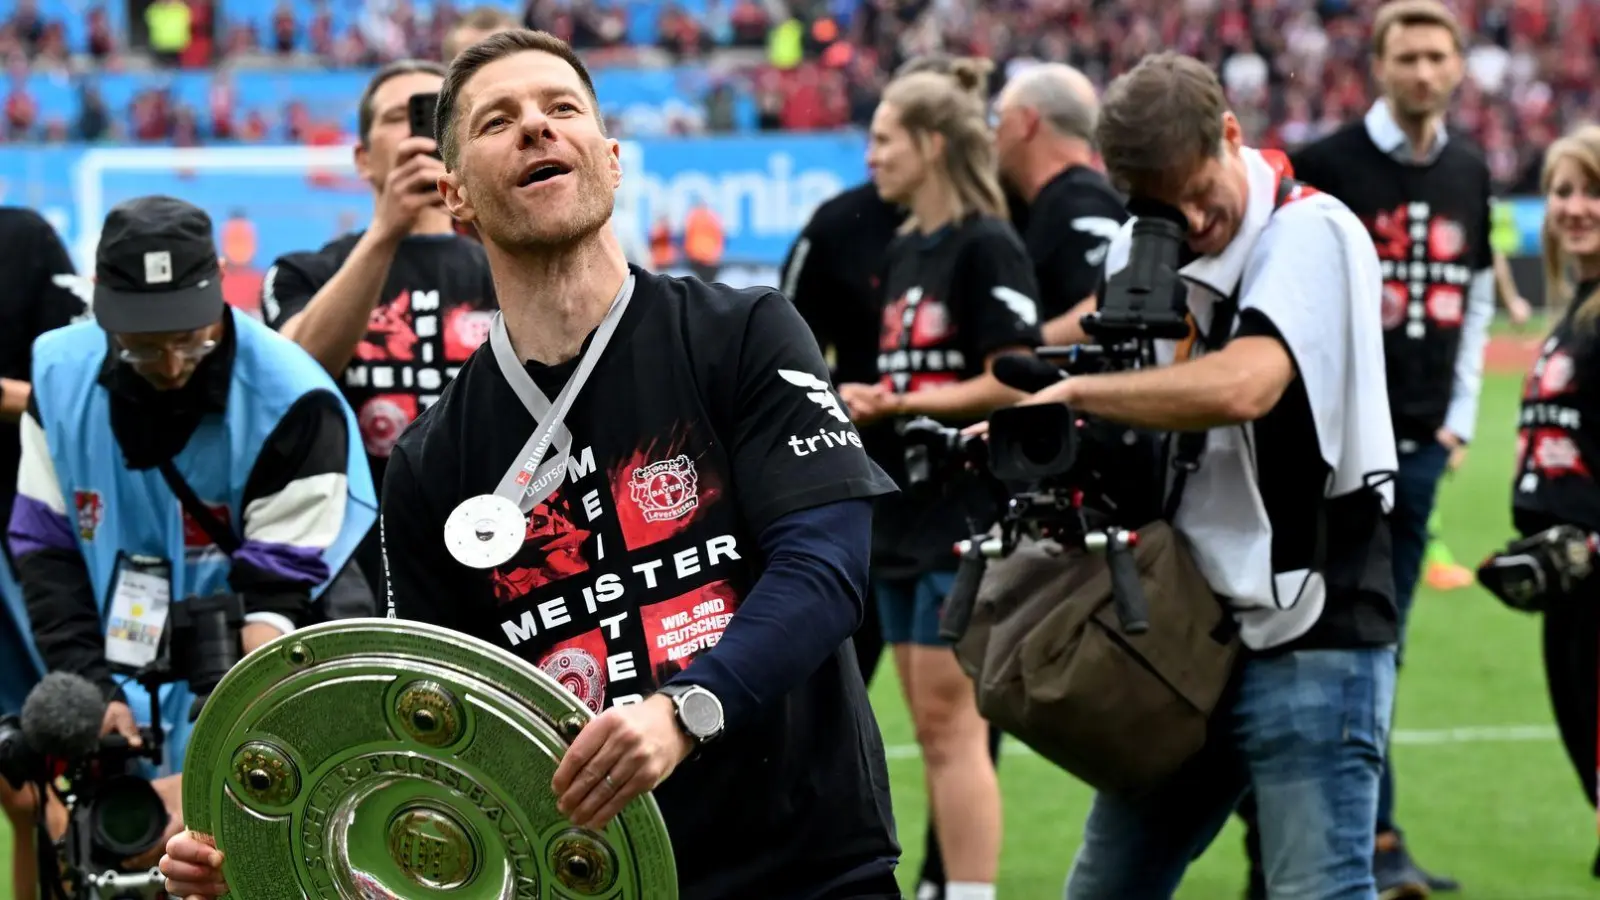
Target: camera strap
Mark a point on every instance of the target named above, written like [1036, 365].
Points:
[1192, 444]
[220, 532]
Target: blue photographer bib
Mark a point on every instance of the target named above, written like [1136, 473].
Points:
[136, 513]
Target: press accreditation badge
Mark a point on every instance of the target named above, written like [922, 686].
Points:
[485, 531]
[141, 594]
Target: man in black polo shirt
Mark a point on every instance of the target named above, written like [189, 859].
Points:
[37, 294]
[1044, 139]
[690, 560]
[1424, 196]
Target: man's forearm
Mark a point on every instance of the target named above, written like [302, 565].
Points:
[62, 609]
[970, 399]
[1505, 283]
[13, 398]
[336, 319]
[1067, 328]
[1215, 390]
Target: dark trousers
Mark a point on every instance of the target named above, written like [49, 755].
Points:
[869, 645]
[1572, 675]
[1416, 487]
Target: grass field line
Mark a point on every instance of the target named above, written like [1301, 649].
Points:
[1472, 734]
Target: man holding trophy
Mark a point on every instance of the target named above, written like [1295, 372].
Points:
[646, 487]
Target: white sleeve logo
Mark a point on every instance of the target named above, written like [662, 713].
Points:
[817, 391]
[1020, 304]
[1100, 227]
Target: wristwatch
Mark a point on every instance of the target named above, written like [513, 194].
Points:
[699, 710]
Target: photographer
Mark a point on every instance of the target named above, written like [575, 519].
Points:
[1558, 441]
[392, 311]
[1283, 515]
[960, 292]
[175, 451]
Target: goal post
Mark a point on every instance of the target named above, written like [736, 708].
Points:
[306, 195]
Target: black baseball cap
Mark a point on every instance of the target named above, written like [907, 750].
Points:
[156, 268]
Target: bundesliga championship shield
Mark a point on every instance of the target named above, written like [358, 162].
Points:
[369, 759]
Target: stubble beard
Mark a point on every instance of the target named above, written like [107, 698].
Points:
[511, 226]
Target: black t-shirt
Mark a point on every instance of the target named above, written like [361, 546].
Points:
[682, 454]
[1430, 224]
[954, 297]
[1354, 541]
[36, 295]
[1069, 228]
[1558, 431]
[433, 312]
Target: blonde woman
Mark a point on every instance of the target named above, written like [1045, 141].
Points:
[959, 291]
[1558, 444]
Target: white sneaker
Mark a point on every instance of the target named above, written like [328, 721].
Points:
[930, 891]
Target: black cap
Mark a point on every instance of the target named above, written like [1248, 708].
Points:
[156, 268]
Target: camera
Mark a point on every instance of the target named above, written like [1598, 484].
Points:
[113, 811]
[1538, 570]
[1073, 478]
[933, 452]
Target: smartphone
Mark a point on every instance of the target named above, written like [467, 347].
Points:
[420, 110]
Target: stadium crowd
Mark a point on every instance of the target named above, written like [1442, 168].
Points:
[1293, 69]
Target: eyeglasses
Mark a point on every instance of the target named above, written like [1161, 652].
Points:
[187, 352]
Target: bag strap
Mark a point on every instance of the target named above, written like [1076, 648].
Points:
[220, 532]
[1192, 444]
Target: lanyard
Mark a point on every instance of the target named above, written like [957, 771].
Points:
[527, 483]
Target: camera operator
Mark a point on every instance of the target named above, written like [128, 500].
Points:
[1558, 436]
[175, 450]
[1044, 134]
[1284, 515]
[961, 292]
[832, 275]
[36, 295]
[393, 311]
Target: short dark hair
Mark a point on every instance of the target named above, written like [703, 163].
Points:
[1160, 120]
[364, 111]
[490, 49]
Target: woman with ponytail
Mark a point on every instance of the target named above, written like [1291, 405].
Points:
[958, 291]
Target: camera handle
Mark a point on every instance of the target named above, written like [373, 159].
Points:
[1126, 592]
[957, 613]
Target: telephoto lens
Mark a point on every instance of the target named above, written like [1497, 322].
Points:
[126, 818]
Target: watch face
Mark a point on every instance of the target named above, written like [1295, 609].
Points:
[702, 714]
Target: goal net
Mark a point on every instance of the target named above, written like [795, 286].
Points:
[264, 200]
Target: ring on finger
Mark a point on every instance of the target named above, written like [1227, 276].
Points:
[609, 783]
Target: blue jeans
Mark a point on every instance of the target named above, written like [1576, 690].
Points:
[1306, 732]
[1415, 489]
[908, 609]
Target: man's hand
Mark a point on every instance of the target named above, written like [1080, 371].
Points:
[411, 187]
[1457, 447]
[193, 866]
[119, 720]
[621, 754]
[1519, 310]
[254, 634]
[18, 804]
[868, 403]
[170, 790]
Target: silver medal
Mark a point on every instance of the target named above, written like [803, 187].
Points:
[485, 531]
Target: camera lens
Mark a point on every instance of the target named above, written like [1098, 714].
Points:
[214, 650]
[126, 818]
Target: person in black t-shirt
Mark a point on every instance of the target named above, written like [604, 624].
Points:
[960, 292]
[692, 557]
[39, 291]
[1284, 516]
[1558, 437]
[1424, 196]
[391, 312]
[1044, 137]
